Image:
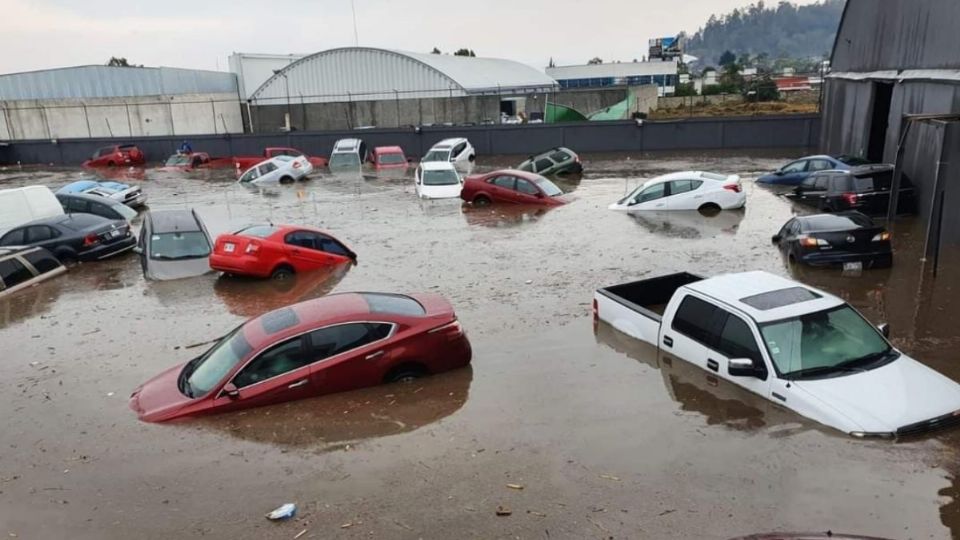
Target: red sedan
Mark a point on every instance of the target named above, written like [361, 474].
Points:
[123, 155]
[510, 186]
[277, 251]
[331, 344]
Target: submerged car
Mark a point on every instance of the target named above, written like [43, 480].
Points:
[795, 172]
[330, 344]
[556, 161]
[843, 238]
[122, 155]
[437, 180]
[511, 186]
[388, 157]
[281, 169]
[348, 153]
[458, 151]
[131, 196]
[173, 244]
[23, 267]
[196, 160]
[865, 188]
[278, 251]
[74, 237]
[689, 190]
[81, 203]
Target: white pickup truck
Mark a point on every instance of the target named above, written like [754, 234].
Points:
[797, 346]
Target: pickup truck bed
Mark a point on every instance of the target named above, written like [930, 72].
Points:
[636, 308]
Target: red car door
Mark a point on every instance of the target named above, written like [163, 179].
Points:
[305, 252]
[280, 373]
[354, 355]
[504, 189]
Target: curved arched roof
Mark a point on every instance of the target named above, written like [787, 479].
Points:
[364, 73]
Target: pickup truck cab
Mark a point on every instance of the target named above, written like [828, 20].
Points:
[196, 160]
[799, 347]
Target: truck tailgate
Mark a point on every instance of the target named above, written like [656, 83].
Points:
[635, 308]
[643, 325]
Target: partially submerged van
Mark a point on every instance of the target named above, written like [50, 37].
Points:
[22, 205]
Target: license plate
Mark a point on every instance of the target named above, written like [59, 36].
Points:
[228, 247]
[114, 233]
[853, 266]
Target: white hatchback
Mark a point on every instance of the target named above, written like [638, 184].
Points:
[282, 169]
[458, 151]
[438, 180]
[688, 190]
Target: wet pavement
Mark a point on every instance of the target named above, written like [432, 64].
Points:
[606, 438]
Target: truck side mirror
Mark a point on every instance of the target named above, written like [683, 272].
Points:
[744, 367]
[884, 329]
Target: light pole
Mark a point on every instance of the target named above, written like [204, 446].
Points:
[286, 85]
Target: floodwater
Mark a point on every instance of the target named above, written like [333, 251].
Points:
[607, 439]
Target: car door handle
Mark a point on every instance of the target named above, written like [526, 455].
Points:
[713, 364]
[298, 384]
[377, 354]
[294, 250]
[668, 341]
[778, 396]
[698, 196]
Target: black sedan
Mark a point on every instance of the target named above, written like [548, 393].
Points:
[74, 237]
[825, 239]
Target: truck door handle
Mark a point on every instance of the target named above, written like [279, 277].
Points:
[713, 364]
[668, 341]
[371, 356]
[298, 384]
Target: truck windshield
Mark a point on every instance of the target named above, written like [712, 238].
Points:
[826, 343]
[344, 159]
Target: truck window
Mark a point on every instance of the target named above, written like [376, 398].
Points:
[695, 319]
[737, 341]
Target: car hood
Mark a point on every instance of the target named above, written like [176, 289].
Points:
[440, 192]
[159, 399]
[884, 399]
[168, 270]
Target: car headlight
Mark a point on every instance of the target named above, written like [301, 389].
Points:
[872, 434]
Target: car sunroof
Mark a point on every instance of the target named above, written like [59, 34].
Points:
[281, 319]
[780, 298]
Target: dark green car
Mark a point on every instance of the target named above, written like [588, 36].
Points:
[557, 161]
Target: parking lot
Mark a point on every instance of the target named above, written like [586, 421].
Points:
[605, 440]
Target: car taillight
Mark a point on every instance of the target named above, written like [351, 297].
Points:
[296, 164]
[451, 330]
[252, 248]
[809, 241]
[732, 187]
[882, 237]
[850, 198]
[90, 240]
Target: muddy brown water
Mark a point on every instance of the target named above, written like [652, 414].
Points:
[606, 438]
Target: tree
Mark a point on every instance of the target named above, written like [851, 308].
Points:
[551, 64]
[464, 52]
[727, 58]
[435, 51]
[118, 62]
[595, 60]
[766, 89]
[685, 90]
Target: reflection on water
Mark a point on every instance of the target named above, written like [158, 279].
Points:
[690, 223]
[950, 510]
[252, 297]
[718, 401]
[503, 215]
[331, 422]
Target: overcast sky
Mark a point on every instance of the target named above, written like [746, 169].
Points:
[201, 34]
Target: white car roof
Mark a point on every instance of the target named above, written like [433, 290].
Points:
[448, 143]
[688, 175]
[788, 298]
[346, 145]
[437, 166]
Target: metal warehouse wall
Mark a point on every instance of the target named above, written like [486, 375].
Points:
[796, 131]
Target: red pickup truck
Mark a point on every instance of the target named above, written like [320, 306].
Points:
[123, 155]
[194, 161]
[245, 162]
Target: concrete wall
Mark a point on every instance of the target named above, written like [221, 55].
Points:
[590, 100]
[690, 101]
[120, 117]
[796, 131]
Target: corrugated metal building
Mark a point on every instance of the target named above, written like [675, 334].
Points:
[106, 101]
[892, 60]
[253, 69]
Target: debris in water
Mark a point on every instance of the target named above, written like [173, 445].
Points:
[609, 477]
[299, 534]
[503, 511]
[286, 511]
[514, 486]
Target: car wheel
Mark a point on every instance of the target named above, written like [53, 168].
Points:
[282, 273]
[406, 373]
[68, 259]
[481, 200]
[286, 180]
[709, 209]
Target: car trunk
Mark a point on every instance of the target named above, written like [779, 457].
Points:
[232, 245]
[862, 240]
[105, 235]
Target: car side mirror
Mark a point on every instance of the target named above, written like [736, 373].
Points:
[540, 195]
[776, 239]
[884, 329]
[779, 173]
[743, 367]
[230, 390]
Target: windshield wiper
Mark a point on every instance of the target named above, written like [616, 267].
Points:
[822, 370]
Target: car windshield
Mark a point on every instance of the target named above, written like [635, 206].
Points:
[437, 155]
[825, 343]
[203, 374]
[447, 177]
[178, 160]
[176, 246]
[344, 159]
[392, 159]
[547, 186]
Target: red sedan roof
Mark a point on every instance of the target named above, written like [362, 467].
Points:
[514, 172]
